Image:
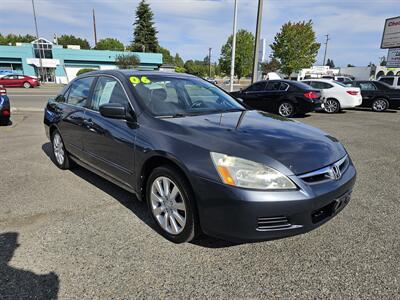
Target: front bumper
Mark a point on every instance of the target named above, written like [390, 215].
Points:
[242, 215]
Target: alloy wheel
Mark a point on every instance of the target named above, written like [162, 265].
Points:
[379, 105]
[58, 148]
[168, 205]
[331, 106]
[27, 85]
[285, 109]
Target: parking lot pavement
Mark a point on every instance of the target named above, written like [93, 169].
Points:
[75, 235]
[33, 99]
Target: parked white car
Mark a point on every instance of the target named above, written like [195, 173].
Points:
[335, 95]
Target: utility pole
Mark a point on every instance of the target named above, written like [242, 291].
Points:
[257, 41]
[94, 28]
[326, 47]
[38, 44]
[209, 62]
[233, 46]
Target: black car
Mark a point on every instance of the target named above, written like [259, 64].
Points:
[201, 161]
[284, 97]
[5, 111]
[378, 95]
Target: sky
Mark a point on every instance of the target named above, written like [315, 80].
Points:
[190, 27]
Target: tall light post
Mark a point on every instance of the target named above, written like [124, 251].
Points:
[257, 41]
[233, 46]
[38, 44]
[326, 48]
[209, 62]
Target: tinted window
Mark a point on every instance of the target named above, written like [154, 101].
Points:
[79, 91]
[283, 86]
[367, 86]
[273, 86]
[258, 86]
[321, 85]
[108, 90]
[387, 80]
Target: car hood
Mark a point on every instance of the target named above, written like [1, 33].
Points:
[261, 137]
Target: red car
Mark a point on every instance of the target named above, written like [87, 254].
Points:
[19, 81]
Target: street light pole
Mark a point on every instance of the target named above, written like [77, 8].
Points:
[38, 44]
[326, 47]
[257, 41]
[209, 62]
[233, 46]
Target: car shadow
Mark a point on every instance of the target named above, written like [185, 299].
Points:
[366, 109]
[129, 200]
[22, 284]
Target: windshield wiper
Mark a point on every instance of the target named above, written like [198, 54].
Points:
[177, 115]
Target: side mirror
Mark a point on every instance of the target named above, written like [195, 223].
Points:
[114, 111]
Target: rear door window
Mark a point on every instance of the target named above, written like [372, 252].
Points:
[79, 91]
[273, 86]
[367, 86]
[256, 87]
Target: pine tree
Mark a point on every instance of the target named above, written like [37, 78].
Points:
[145, 33]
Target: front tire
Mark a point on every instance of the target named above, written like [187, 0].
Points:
[171, 204]
[27, 85]
[331, 106]
[380, 105]
[60, 155]
[286, 109]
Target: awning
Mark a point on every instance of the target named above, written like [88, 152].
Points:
[46, 62]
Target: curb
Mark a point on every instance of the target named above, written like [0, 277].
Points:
[26, 109]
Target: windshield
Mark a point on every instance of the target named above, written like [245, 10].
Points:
[174, 96]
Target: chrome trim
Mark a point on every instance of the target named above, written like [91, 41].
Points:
[332, 172]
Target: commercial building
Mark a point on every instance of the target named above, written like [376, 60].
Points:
[59, 64]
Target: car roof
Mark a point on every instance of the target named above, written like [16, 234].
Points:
[133, 72]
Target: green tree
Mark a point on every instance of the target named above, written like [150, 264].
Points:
[383, 62]
[295, 46]
[330, 63]
[167, 57]
[14, 38]
[178, 60]
[145, 33]
[65, 40]
[110, 44]
[84, 70]
[196, 67]
[243, 54]
[127, 61]
[272, 65]
[350, 66]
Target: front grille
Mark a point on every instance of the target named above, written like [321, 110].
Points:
[268, 223]
[325, 174]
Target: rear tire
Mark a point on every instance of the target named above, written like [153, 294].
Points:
[4, 122]
[331, 106]
[27, 85]
[171, 204]
[286, 109]
[60, 155]
[380, 105]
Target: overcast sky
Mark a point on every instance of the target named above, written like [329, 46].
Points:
[190, 27]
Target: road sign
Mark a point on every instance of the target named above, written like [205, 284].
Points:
[391, 34]
[393, 58]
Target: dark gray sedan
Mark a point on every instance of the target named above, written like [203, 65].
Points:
[202, 161]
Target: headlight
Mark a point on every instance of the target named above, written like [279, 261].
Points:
[245, 173]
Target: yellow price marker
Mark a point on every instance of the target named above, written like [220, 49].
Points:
[134, 80]
[145, 80]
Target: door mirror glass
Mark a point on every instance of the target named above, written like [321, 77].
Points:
[113, 110]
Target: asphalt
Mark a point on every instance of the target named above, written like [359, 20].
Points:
[71, 234]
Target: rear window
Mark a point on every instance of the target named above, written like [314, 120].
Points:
[387, 80]
[301, 85]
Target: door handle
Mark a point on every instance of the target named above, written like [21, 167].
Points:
[88, 123]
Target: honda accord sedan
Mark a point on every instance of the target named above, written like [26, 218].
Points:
[201, 161]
